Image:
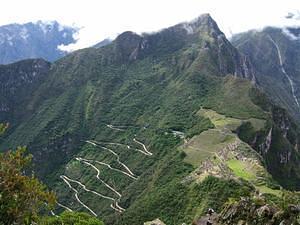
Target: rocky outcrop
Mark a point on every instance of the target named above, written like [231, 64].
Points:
[255, 212]
[155, 222]
[265, 146]
[127, 46]
[201, 36]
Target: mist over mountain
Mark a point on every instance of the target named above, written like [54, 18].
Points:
[34, 40]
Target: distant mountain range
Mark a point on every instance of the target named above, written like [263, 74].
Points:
[34, 40]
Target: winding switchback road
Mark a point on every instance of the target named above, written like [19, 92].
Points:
[65, 179]
[127, 146]
[117, 207]
[65, 207]
[107, 165]
[118, 128]
[97, 176]
[115, 202]
[111, 151]
[86, 189]
[122, 128]
[144, 147]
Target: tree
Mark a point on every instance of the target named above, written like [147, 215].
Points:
[3, 127]
[71, 218]
[22, 197]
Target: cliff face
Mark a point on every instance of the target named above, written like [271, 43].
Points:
[274, 54]
[278, 144]
[202, 34]
[18, 82]
[256, 212]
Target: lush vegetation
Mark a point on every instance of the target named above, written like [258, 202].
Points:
[151, 93]
[21, 197]
[3, 127]
[70, 218]
[24, 199]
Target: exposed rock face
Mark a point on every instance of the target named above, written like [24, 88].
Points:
[206, 220]
[155, 222]
[127, 46]
[202, 32]
[16, 80]
[246, 212]
[265, 147]
[274, 53]
[278, 145]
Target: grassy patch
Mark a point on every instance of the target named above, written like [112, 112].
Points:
[252, 172]
[220, 121]
[258, 124]
[242, 107]
[266, 190]
[206, 144]
[241, 169]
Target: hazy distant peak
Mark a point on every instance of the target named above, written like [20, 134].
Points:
[41, 39]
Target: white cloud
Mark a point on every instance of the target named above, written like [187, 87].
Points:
[105, 18]
[290, 35]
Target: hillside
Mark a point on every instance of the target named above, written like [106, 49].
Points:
[18, 82]
[162, 125]
[274, 53]
[34, 40]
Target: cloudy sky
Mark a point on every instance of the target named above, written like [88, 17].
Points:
[100, 19]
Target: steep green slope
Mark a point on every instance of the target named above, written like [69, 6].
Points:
[18, 82]
[110, 125]
[274, 53]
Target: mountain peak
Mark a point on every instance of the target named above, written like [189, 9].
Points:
[203, 23]
[202, 31]
[127, 44]
[128, 36]
[204, 18]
